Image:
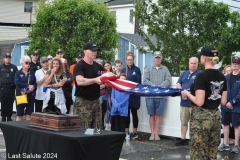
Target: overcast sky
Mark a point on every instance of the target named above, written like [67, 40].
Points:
[231, 3]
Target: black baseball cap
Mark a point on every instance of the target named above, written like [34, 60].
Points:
[34, 53]
[208, 51]
[7, 55]
[90, 46]
[59, 51]
[236, 59]
[79, 55]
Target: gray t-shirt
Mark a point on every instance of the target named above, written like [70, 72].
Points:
[56, 79]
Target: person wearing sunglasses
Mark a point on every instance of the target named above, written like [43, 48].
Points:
[49, 57]
[34, 65]
[7, 87]
[25, 84]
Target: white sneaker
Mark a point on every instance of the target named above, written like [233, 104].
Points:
[108, 127]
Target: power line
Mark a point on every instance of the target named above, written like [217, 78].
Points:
[232, 6]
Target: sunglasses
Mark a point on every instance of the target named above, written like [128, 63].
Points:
[49, 58]
[35, 54]
[27, 62]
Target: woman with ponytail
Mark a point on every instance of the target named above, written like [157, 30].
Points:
[207, 92]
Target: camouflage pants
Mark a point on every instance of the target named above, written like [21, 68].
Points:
[89, 112]
[204, 133]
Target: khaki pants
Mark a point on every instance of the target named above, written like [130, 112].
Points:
[185, 113]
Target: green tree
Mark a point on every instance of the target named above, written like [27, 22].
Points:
[181, 27]
[68, 24]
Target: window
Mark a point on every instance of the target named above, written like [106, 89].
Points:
[113, 13]
[28, 6]
[131, 16]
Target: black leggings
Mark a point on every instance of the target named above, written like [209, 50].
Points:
[51, 104]
[120, 123]
[68, 103]
[38, 105]
[104, 110]
[134, 117]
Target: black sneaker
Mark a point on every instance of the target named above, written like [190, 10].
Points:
[181, 142]
[9, 119]
[3, 119]
[134, 135]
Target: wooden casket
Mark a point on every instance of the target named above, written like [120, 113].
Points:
[63, 122]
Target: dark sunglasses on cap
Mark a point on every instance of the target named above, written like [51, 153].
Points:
[27, 62]
[50, 59]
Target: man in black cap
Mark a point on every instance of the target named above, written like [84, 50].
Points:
[59, 53]
[87, 75]
[34, 65]
[231, 111]
[7, 73]
[207, 92]
[77, 58]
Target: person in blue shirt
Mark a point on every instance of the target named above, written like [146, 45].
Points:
[184, 82]
[133, 73]
[120, 107]
[25, 84]
[231, 111]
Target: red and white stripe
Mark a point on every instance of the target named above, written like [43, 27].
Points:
[118, 84]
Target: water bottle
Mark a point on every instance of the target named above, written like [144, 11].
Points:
[127, 139]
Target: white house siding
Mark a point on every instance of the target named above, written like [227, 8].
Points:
[12, 33]
[122, 18]
[12, 11]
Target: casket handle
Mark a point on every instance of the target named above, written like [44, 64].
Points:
[68, 123]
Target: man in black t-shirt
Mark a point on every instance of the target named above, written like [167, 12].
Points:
[87, 80]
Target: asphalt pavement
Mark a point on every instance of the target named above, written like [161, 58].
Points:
[143, 149]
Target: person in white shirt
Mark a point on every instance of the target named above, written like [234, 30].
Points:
[40, 78]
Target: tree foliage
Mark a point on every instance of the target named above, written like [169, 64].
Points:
[182, 27]
[68, 24]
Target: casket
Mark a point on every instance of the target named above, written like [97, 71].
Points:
[63, 122]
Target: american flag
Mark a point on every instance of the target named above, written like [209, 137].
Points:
[139, 89]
